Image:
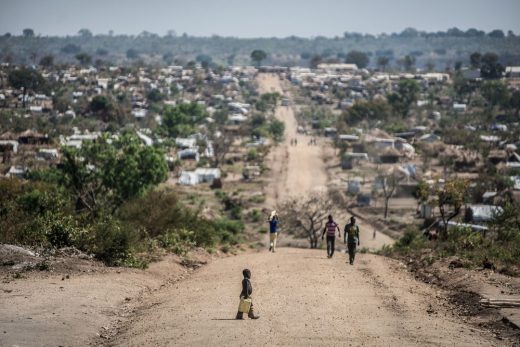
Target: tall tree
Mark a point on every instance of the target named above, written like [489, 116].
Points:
[26, 79]
[47, 60]
[475, 59]
[182, 119]
[382, 62]
[495, 92]
[204, 60]
[452, 193]
[409, 63]
[28, 32]
[84, 58]
[514, 102]
[85, 33]
[497, 34]
[315, 61]
[389, 181]
[405, 95]
[101, 106]
[463, 87]
[258, 56]
[370, 111]
[132, 53]
[108, 172]
[490, 67]
[359, 58]
[71, 48]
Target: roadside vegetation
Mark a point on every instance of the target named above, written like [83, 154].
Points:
[103, 199]
[498, 250]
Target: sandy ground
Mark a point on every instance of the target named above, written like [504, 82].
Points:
[303, 298]
[49, 309]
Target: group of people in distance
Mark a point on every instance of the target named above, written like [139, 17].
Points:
[350, 237]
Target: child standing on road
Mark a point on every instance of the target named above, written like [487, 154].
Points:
[247, 290]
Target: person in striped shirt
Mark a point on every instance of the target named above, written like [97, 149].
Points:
[330, 229]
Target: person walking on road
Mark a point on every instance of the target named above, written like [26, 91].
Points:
[330, 229]
[245, 297]
[351, 238]
[273, 231]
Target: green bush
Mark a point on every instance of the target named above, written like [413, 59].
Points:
[112, 242]
[257, 199]
[252, 154]
[412, 239]
[277, 129]
[500, 246]
[34, 213]
[41, 214]
[178, 241]
[61, 231]
[255, 215]
[220, 194]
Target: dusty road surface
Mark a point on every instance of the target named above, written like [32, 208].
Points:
[303, 298]
[296, 170]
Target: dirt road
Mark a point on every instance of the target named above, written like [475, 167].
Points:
[303, 298]
[298, 169]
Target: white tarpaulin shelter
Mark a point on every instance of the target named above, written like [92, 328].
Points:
[201, 175]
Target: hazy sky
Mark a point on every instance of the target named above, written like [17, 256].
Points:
[255, 18]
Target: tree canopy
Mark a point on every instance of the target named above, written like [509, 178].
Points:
[495, 92]
[258, 56]
[406, 94]
[359, 58]
[182, 119]
[26, 79]
[490, 68]
[84, 58]
[28, 32]
[369, 111]
[107, 172]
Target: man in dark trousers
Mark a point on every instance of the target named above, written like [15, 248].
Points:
[330, 229]
[351, 238]
[247, 290]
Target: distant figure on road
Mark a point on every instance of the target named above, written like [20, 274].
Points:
[273, 231]
[330, 229]
[351, 238]
[246, 303]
